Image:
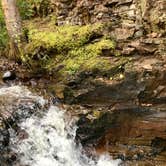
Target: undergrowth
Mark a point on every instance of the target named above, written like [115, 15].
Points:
[3, 32]
[28, 9]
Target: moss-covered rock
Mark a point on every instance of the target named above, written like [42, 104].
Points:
[68, 49]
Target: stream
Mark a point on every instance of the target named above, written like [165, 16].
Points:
[47, 136]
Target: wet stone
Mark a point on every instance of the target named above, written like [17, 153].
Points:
[9, 75]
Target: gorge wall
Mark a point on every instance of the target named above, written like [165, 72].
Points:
[139, 29]
[128, 19]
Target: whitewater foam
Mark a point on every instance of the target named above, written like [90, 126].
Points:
[51, 138]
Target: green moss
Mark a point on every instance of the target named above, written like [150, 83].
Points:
[88, 57]
[63, 37]
[70, 48]
[3, 32]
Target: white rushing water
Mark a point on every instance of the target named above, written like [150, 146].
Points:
[50, 140]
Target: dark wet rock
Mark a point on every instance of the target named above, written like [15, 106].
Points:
[139, 80]
[9, 75]
[132, 123]
[135, 133]
[4, 137]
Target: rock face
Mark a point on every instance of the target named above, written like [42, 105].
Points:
[132, 121]
[128, 13]
[134, 135]
[131, 97]
[138, 26]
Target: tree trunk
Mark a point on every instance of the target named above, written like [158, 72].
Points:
[13, 26]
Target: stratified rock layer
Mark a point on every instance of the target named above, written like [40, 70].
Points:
[132, 122]
[138, 26]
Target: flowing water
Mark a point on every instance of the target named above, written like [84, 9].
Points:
[50, 137]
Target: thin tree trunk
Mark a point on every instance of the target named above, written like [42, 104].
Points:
[13, 26]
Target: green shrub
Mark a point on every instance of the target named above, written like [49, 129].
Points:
[25, 9]
[32, 8]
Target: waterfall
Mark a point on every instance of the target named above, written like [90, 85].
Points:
[50, 138]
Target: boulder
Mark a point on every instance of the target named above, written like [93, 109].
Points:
[9, 75]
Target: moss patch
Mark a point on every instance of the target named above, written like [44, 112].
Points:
[68, 49]
[3, 32]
